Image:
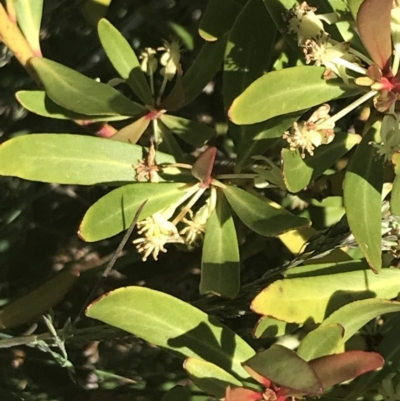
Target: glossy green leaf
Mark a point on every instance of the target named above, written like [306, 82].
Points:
[124, 60]
[299, 172]
[39, 103]
[285, 369]
[192, 132]
[286, 91]
[317, 297]
[362, 197]
[115, 211]
[218, 18]
[78, 93]
[320, 342]
[177, 393]
[29, 17]
[220, 262]
[209, 377]
[39, 301]
[358, 313]
[257, 138]
[260, 215]
[203, 68]
[72, 159]
[170, 323]
[395, 195]
[132, 132]
[268, 327]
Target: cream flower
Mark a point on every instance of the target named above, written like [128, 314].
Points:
[170, 59]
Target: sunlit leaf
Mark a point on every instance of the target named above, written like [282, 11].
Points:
[220, 262]
[262, 216]
[268, 327]
[132, 132]
[362, 197]
[124, 60]
[115, 211]
[209, 377]
[317, 297]
[173, 324]
[286, 91]
[78, 93]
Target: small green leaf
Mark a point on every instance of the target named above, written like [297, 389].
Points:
[29, 17]
[192, 132]
[268, 327]
[395, 195]
[78, 93]
[260, 215]
[299, 172]
[39, 301]
[209, 377]
[220, 262]
[124, 60]
[173, 324]
[115, 211]
[177, 393]
[203, 68]
[285, 368]
[71, 159]
[321, 342]
[362, 197]
[287, 91]
[39, 103]
[317, 297]
[183, 34]
[218, 18]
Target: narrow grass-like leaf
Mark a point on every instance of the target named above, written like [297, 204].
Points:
[173, 324]
[78, 93]
[71, 159]
[39, 103]
[124, 60]
[209, 377]
[115, 211]
[29, 17]
[286, 91]
[362, 197]
[220, 262]
[298, 299]
[260, 215]
[299, 172]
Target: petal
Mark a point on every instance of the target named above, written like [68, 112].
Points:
[373, 23]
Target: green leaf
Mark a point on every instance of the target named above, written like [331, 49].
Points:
[287, 91]
[203, 68]
[168, 143]
[71, 159]
[173, 324]
[362, 197]
[317, 297]
[218, 18]
[39, 301]
[124, 60]
[183, 34]
[321, 341]
[299, 172]
[192, 132]
[132, 132]
[78, 93]
[262, 216]
[29, 17]
[354, 5]
[220, 262]
[209, 377]
[115, 211]
[177, 393]
[395, 196]
[285, 368]
[268, 327]
[39, 103]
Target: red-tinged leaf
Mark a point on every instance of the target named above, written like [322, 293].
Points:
[242, 394]
[203, 166]
[373, 23]
[131, 133]
[284, 368]
[335, 369]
